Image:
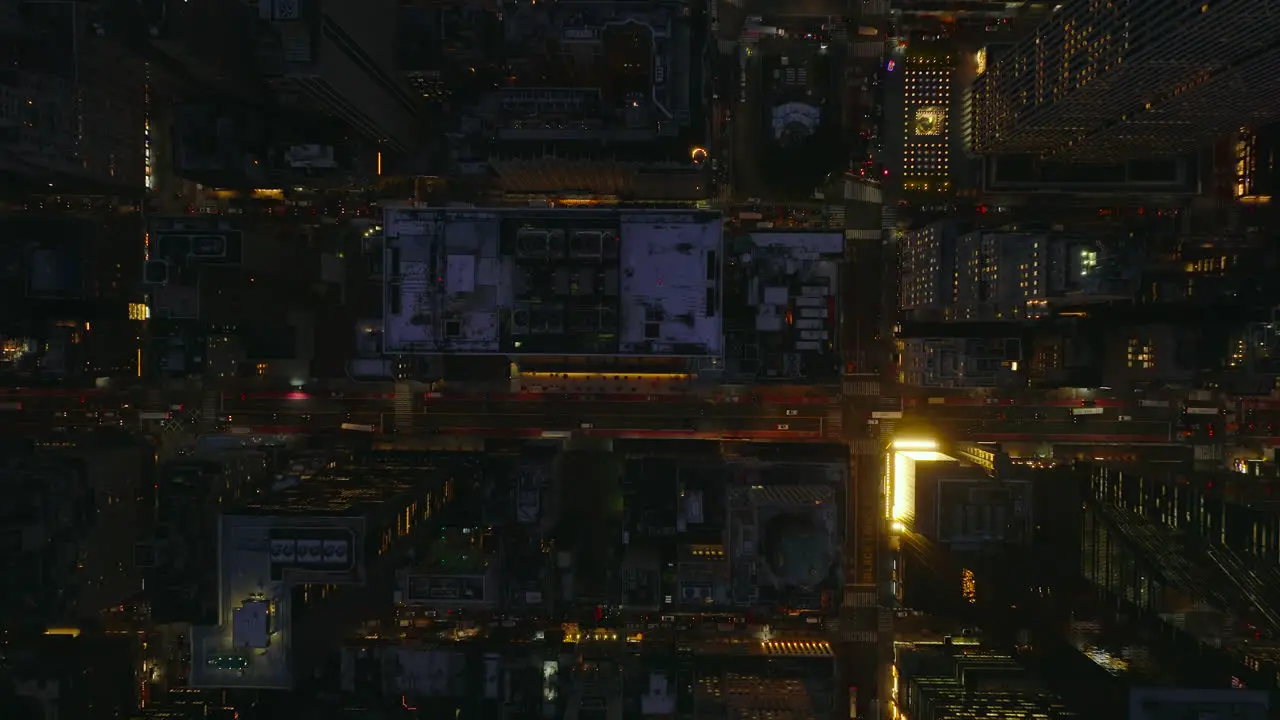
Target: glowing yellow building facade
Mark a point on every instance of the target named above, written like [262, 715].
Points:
[902, 466]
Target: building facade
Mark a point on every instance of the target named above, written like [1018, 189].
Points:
[926, 120]
[1098, 81]
[954, 273]
[959, 362]
[339, 57]
[71, 103]
[927, 270]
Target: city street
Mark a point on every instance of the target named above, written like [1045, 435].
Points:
[447, 415]
[1016, 422]
[746, 135]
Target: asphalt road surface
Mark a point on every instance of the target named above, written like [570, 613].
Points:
[555, 419]
[993, 422]
[746, 131]
[298, 412]
[549, 406]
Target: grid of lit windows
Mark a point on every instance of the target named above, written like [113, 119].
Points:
[1245, 150]
[921, 268]
[926, 123]
[1103, 79]
[999, 276]
[968, 277]
[1141, 354]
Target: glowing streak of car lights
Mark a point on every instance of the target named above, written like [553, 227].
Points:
[741, 435]
[1060, 437]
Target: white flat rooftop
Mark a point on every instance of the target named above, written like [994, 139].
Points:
[553, 282]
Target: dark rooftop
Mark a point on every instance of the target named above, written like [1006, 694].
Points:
[361, 488]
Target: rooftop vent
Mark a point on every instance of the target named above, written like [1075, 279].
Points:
[586, 244]
[534, 243]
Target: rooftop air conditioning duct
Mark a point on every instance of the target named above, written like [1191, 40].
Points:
[532, 242]
[587, 244]
[520, 322]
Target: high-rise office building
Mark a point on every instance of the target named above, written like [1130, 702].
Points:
[1254, 163]
[1106, 79]
[951, 271]
[1000, 276]
[340, 56]
[71, 103]
[926, 120]
[927, 270]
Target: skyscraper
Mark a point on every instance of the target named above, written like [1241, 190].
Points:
[1106, 79]
[341, 56]
[926, 165]
[71, 103]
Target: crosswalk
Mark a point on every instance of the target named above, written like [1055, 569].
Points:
[861, 388]
[865, 48]
[210, 407]
[859, 598]
[888, 427]
[836, 217]
[404, 407]
[888, 217]
[840, 630]
[875, 8]
[833, 426]
[862, 619]
[795, 76]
